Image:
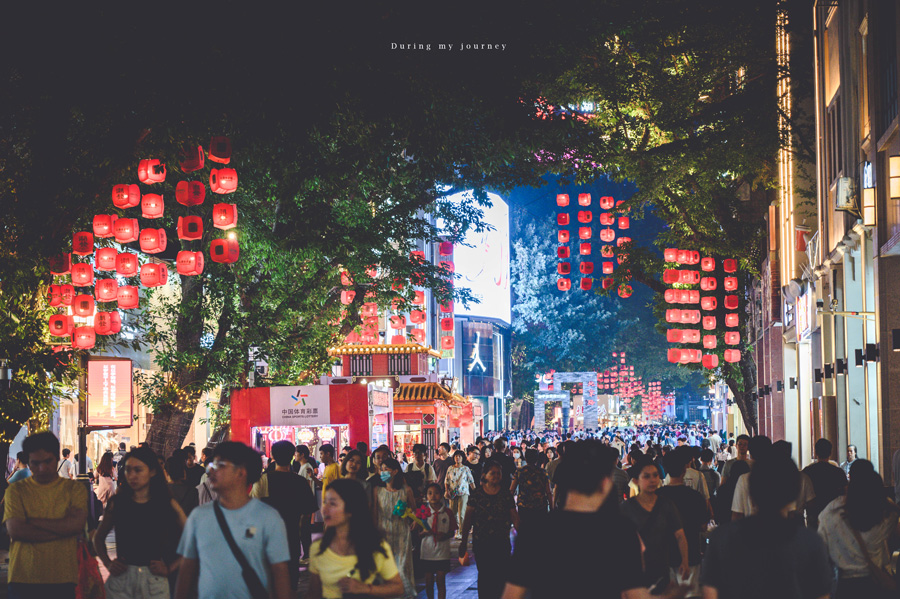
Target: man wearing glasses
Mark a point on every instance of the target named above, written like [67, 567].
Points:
[232, 544]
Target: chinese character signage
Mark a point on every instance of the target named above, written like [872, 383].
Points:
[300, 406]
[108, 403]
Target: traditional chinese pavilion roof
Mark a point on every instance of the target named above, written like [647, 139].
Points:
[426, 393]
[363, 349]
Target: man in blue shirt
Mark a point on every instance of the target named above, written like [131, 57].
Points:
[257, 529]
[22, 470]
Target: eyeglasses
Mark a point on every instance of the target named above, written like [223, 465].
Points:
[216, 464]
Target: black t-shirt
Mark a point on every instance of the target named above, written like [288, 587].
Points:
[657, 529]
[476, 471]
[828, 482]
[193, 474]
[291, 496]
[440, 469]
[144, 531]
[766, 557]
[573, 554]
[692, 509]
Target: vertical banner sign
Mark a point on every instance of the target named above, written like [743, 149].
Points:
[445, 351]
[109, 397]
[591, 411]
[300, 406]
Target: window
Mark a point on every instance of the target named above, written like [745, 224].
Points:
[398, 364]
[360, 365]
[833, 142]
[886, 64]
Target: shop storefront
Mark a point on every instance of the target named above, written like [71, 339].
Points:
[426, 413]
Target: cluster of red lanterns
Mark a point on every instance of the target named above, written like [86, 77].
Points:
[654, 403]
[620, 380]
[584, 235]
[152, 241]
[688, 300]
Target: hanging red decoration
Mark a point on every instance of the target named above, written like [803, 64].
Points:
[191, 158]
[607, 203]
[417, 256]
[83, 338]
[562, 236]
[107, 323]
[674, 356]
[670, 255]
[447, 324]
[563, 284]
[730, 283]
[448, 307]
[708, 264]
[622, 241]
[607, 235]
[82, 274]
[106, 290]
[126, 195]
[154, 275]
[690, 277]
[190, 228]
[729, 265]
[562, 219]
[671, 276]
[353, 337]
[586, 268]
[417, 316]
[346, 280]
[584, 199]
[732, 355]
[223, 180]
[608, 268]
[189, 263]
[347, 297]
[418, 335]
[225, 216]
[418, 298]
[54, 296]
[447, 265]
[624, 222]
[607, 283]
[67, 294]
[731, 302]
[398, 340]
[708, 303]
[105, 259]
[710, 361]
[83, 305]
[153, 241]
[83, 243]
[731, 320]
[152, 206]
[625, 291]
[674, 336]
[126, 264]
[607, 220]
[709, 323]
[584, 232]
[448, 342]
[220, 149]
[369, 310]
[190, 193]
[710, 342]
[586, 284]
[563, 268]
[61, 264]
[562, 252]
[585, 216]
[128, 297]
[224, 251]
[126, 230]
[708, 283]
[732, 338]
[607, 251]
[562, 200]
[445, 248]
[151, 171]
[61, 325]
[584, 248]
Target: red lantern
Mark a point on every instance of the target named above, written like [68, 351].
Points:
[448, 307]
[83, 305]
[674, 356]
[106, 290]
[126, 230]
[190, 193]
[673, 315]
[347, 297]
[61, 325]
[151, 171]
[446, 324]
[584, 199]
[710, 361]
[353, 337]
[690, 277]
[224, 251]
[606, 220]
[105, 259]
[732, 355]
[563, 268]
[675, 336]
[562, 199]
[562, 219]
[83, 243]
[190, 228]
[220, 149]
[586, 284]
[671, 296]
[418, 298]
[82, 274]
[126, 196]
[107, 323]
[585, 216]
[126, 264]
[83, 338]
[54, 295]
[447, 265]
[562, 236]
[189, 263]
[607, 283]
[730, 283]
[670, 255]
[191, 158]
[153, 241]
[223, 180]
[624, 222]
[66, 294]
[584, 248]
[729, 265]
[563, 284]
[417, 316]
[448, 343]
[690, 316]
[128, 297]
[607, 203]
[708, 264]
[607, 251]
[708, 303]
[693, 296]
[586, 268]
[625, 291]
[584, 232]
[709, 342]
[152, 206]
[608, 268]
[709, 323]
[61, 264]
[607, 235]
[154, 275]
[731, 302]
[398, 340]
[732, 338]
[369, 310]
[622, 241]
[562, 252]
[731, 320]
[418, 335]
[671, 276]
[225, 216]
[708, 283]
[445, 248]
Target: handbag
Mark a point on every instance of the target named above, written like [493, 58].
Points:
[90, 581]
[883, 578]
[254, 584]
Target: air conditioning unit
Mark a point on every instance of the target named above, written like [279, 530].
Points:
[845, 194]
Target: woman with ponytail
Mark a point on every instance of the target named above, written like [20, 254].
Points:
[396, 530]
[352, 555]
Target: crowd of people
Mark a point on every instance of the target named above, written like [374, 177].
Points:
[617, 512]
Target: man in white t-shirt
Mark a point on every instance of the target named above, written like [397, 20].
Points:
[65, 468]
[420, 465]
[742, 506]
[714, 441]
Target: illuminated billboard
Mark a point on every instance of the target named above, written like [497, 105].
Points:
[108, 401]
[483, 263]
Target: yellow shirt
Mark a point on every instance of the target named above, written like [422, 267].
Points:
[53, 562]
[331, 474]
[332, 567]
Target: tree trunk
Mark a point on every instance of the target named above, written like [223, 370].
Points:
[744, 394]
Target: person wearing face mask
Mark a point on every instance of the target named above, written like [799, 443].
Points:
[397, 530]
[517, 457]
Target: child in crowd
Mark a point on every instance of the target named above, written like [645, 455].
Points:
[435, 553]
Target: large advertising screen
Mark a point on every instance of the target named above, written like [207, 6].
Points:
[108, 401]
[483, 263]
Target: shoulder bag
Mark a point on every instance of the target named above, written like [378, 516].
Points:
[251, 579]
[883, 578]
